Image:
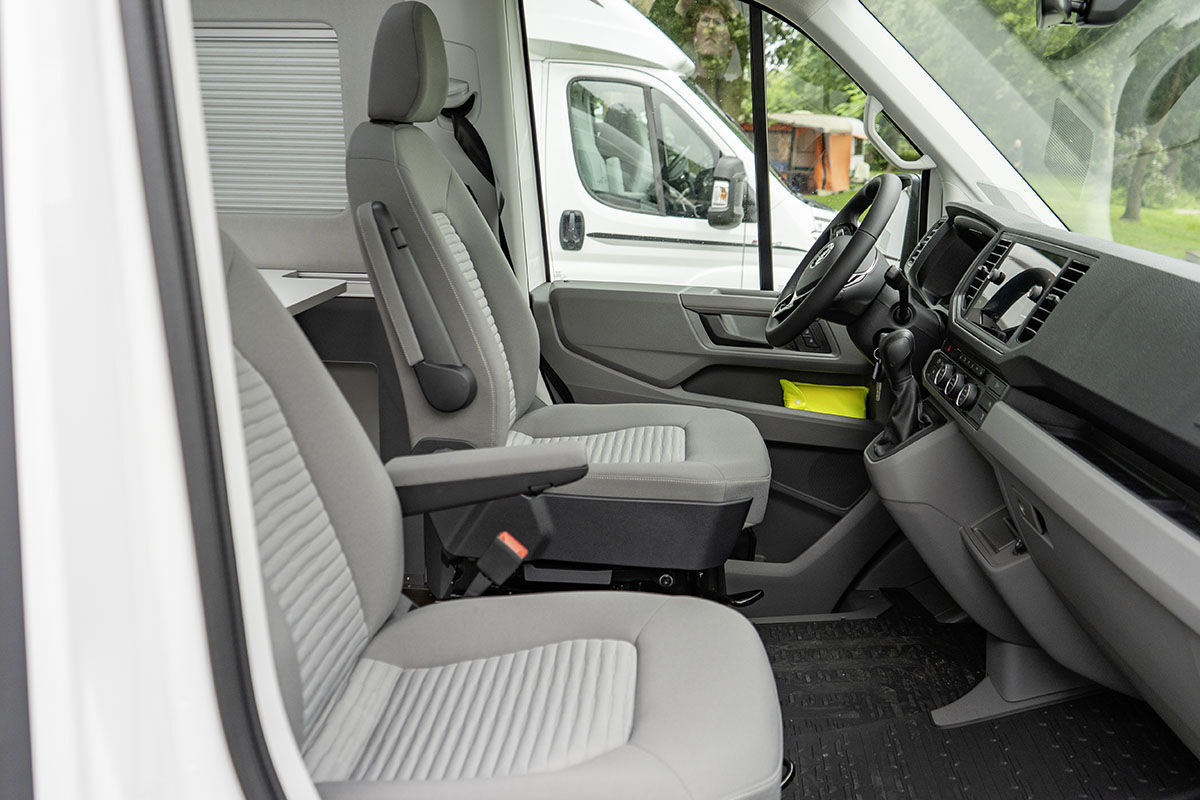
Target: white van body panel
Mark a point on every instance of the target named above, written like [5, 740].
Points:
[622, 244]
[634, 246]
[601, 32]
[122, 702]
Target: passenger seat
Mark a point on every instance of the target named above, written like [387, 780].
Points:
[566, 695]
[658, 452]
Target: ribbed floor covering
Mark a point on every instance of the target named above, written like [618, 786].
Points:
[856, 696]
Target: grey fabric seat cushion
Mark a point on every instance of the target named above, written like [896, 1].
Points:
[664, 697]
[536, 709]
[659, 452]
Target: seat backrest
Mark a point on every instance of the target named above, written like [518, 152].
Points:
[591, 164]
[484, 308]
[328, 521]
[620, 136]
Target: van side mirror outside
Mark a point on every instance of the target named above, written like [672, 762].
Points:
[727, 206]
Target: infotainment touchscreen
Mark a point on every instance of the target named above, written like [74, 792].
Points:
[1005, 301]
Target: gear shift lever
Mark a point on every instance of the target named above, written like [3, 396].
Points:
[895, 361]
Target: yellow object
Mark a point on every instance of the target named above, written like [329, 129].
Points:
[845, 401]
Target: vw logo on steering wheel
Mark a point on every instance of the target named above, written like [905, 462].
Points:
[821, 256]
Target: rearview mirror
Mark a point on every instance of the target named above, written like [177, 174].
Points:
[727, 206]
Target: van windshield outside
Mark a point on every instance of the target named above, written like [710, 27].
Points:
[723, 115]
[1104, 123]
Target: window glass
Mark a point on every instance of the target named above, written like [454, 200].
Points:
[273, 115]
[1102, 122]
[816, 138]
[657, 94]
[816, 145]
[610, 134]
[687, 160]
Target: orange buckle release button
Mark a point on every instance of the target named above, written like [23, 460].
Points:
[510, 541]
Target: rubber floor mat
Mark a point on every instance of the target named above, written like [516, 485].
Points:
[856, 696]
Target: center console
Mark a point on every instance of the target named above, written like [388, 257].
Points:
[969, 388]
[944, 495]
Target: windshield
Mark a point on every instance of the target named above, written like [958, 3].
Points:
[721, 113]
[1104, 123]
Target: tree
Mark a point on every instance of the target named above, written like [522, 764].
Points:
[1153, 94]
[716, 36]
[803, 77]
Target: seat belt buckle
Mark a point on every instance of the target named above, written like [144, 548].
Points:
[498, 563]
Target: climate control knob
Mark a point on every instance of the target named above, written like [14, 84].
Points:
[954, 383]
[942, 374]
[967, 396]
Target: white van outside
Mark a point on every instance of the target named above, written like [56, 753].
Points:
[606, 120]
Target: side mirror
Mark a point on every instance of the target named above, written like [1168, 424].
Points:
[727, 206]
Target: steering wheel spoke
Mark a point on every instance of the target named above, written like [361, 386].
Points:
[827, 270]
[785, 304]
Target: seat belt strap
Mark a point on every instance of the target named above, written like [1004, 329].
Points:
[473, 146]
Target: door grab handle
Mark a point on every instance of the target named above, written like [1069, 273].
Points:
[570, 230]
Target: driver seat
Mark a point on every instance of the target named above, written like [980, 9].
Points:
[636, 451]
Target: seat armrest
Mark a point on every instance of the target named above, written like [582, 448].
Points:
[464, 477]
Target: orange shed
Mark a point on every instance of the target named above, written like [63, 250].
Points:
[814, 152]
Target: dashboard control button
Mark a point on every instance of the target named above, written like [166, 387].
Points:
[977, 415]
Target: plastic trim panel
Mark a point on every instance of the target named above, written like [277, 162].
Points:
[1161, 557]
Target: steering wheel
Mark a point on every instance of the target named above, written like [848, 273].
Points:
[844, 250]
[674, 161]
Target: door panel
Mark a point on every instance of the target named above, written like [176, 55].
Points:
[633, 343]
[613, 343]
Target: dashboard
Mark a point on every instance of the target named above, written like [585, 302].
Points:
[1070, 369]
[1096, 331]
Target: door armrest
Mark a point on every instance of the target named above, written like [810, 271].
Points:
[464, 477]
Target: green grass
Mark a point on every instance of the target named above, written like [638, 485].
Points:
[1160, 230]
[835, 200]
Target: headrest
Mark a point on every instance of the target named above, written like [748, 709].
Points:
[408, 70]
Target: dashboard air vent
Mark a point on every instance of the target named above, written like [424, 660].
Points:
[916, 251]
[1064, 283]
[990, 262]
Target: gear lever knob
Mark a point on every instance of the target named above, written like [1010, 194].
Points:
[896, 351]
[895, 355]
